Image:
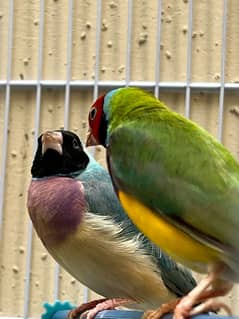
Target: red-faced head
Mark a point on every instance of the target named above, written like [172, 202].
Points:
[96, 134]
[99, 115]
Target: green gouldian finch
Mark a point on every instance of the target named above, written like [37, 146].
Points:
[178, 185]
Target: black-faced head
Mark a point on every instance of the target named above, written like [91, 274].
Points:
[59, 152]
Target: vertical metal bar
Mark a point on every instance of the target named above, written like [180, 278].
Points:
[223, 60]
[37, 125]
[66, 118]
[6, 111]
[129, 39]
[68, 67]
[86, 294]
[189, 59]
[158, 40]
[56, 282]
[97, 52]
[95, 92]
[96, 81]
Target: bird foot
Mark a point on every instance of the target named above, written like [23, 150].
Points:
[210, 305]
[184, 308]
[201, 299]
[76, 312]
[90, 309]
[162, 310]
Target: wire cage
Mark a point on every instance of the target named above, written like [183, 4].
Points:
[57, 56]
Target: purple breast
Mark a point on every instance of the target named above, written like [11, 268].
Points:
[56, 206]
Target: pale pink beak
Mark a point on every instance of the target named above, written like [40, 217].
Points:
[90, 140]
[52, 140]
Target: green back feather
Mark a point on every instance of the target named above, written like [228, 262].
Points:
[172, 165]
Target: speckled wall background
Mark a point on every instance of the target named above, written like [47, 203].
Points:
[206, 67]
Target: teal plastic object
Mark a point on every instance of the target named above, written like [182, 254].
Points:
[58, 310]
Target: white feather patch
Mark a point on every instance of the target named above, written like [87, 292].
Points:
[111, 265]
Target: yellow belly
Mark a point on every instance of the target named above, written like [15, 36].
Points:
[172, 240]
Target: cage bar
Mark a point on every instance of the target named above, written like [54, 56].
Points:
[189, 60]
[95, 91]
[36, 133]
[97, 49]
[128, 49]
[68, 65]
[66, 118]
[222, 83]
[89, 84]
[158, 41]
[6, 111]
[95, 82]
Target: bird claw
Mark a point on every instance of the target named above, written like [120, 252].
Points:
[182, 309]
[202, 298]
[199, 300]
[185, 308]
[90, 309]
[211, 305]
[74, 313]
[161, 311]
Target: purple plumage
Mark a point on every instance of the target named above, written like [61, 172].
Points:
[49, 202]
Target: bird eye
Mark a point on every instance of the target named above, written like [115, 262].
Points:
[93, 113]
[75, 144]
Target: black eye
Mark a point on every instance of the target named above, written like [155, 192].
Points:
[93, 113]
[75, 144]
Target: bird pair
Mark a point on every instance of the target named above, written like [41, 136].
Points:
[170, 176]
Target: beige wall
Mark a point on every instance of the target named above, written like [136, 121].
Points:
[206, 59]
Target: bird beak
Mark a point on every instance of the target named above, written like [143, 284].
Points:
[52, 140]
[90, 140]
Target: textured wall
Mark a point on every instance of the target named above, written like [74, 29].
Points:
[206, 66]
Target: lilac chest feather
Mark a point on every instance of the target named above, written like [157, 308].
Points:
[56, 206]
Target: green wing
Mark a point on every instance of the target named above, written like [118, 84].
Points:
[178, 169]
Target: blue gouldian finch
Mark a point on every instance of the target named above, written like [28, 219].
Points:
[178, 185]
[77, 216]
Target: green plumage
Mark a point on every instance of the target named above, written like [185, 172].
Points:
[174, 167]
